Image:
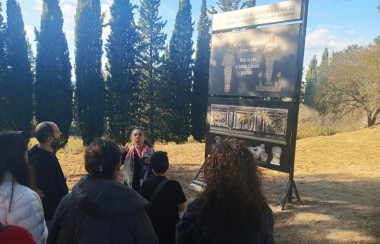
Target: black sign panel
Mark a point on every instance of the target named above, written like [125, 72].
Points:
[264, 125]
[256, 62]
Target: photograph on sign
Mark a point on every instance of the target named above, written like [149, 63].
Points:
[256, 62]
[268, 124]
[264, 125]
[267, 154]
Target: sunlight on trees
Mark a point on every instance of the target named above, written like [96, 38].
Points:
[353, 82]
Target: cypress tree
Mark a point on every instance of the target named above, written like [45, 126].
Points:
[311, 79]
[2, 39]
[18, 75]
[3, 98]
[321, 103]
[250, 3]
[153, 42]
[122, 80]
[228, 5]
[53, 88]
[90, 88]
[325, 57]
[199, 92]
[180, 72]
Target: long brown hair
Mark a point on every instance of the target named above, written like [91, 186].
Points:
[13, 147]
[233, 193]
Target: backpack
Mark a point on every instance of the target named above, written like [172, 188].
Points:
[12, 234]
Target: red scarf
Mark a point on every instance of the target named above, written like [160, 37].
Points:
[130, 154]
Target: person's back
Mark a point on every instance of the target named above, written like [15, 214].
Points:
[19, 205]
[100, 209]
[232, 208]
[214, 229]
[165, 200]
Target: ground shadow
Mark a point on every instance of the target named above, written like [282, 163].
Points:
[329, 211]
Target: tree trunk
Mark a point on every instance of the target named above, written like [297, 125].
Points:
[372, 117]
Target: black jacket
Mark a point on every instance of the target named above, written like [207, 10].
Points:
[49, 179]
[190, 231]
[101, 211]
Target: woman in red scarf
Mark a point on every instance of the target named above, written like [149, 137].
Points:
[136, 163]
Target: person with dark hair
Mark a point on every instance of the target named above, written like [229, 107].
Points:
[166, 199]
[49, 176]
[19, 205]
[100, 209]
[136, 167]
[232, 207]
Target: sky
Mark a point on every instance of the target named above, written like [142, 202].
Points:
[334, 24]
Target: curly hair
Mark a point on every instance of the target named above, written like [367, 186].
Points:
[233, 193]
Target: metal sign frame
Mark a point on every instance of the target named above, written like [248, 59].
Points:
[261, 114]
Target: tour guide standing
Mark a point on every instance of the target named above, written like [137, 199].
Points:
[48, 173]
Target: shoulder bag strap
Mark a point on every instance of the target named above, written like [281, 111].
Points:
[157, 190]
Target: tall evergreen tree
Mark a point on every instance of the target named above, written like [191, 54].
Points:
[180, 72]
[325, 57]
[90, 90]
[18, 76]
[228, 5]
[311, 79]
[2, 40]
[249, 4]
[200, 85]
[320, 84]
[153, 42]
[53, 88]
[3, 98]
[122, 80]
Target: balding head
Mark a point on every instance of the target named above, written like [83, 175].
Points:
[44, 130]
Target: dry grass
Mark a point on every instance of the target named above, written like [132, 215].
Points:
[338, 179]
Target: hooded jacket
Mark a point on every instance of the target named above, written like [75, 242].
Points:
[101, 211]
[49, 179]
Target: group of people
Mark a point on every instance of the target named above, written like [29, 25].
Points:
[143, 208]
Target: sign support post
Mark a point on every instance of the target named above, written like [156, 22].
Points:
[255, 78]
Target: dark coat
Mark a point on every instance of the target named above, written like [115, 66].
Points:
[101, 211]
[190, 231]
[49, 179]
